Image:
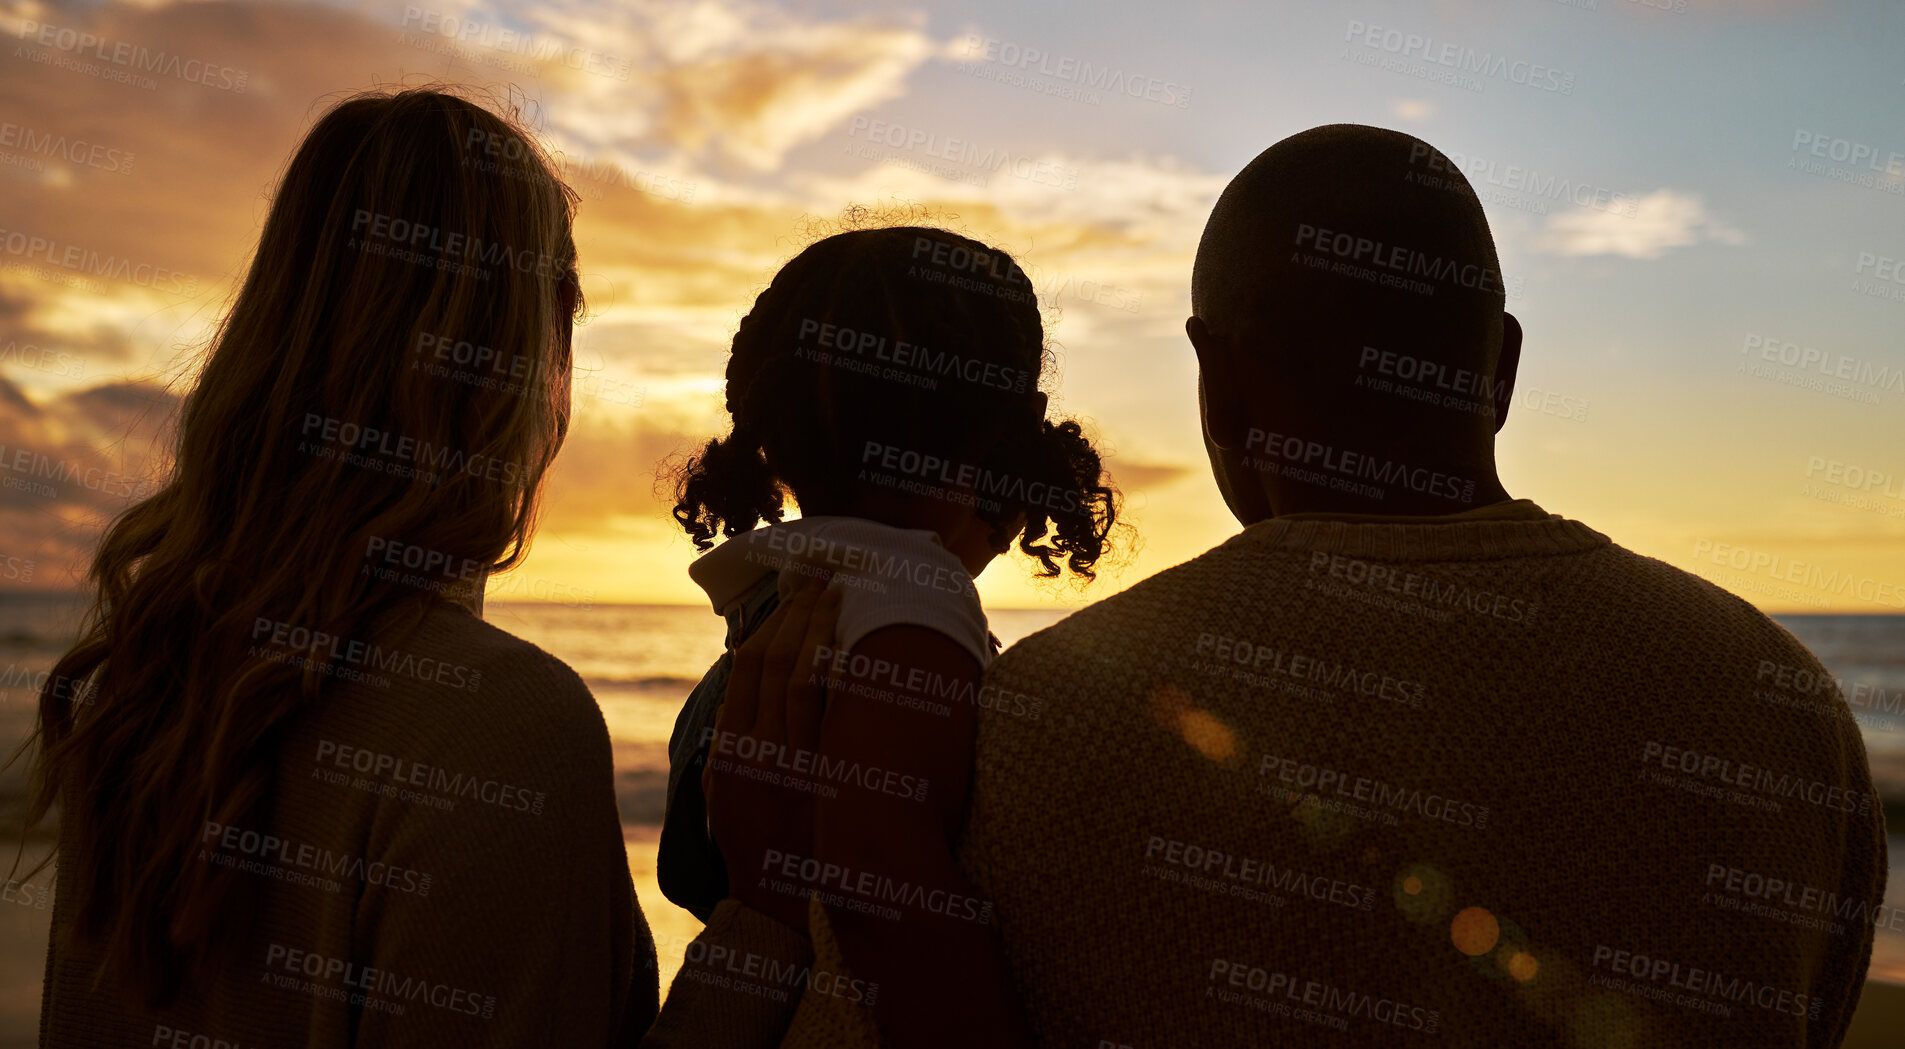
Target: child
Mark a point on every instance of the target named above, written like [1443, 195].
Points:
[888, 380]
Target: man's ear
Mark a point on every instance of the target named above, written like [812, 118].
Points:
[1224, 418]
[1506, 365]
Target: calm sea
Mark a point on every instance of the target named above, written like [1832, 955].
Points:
[641, 661]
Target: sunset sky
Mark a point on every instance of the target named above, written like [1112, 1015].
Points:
[1699, 204]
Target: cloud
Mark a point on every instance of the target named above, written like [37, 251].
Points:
[787, 86]
[1662, 220]
[16, 401]
[614, 467]
[681, 152]
[727, 80]
[1132, 476]
[69, 464]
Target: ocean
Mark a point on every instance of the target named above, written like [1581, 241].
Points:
[641, 660]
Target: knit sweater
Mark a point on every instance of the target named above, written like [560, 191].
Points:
[1480, 780]
[444, 867]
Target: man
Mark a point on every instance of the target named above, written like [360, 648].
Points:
[1408, 760]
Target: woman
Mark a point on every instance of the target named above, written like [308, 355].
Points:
[307, 796]
[888, 380]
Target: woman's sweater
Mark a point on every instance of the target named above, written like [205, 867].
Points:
[441, 865]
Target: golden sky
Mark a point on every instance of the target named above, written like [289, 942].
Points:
[707, 138]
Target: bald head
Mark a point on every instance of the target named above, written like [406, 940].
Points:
[1346, 235]
[1347, 298]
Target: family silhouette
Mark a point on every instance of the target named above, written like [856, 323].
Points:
[1405, 760]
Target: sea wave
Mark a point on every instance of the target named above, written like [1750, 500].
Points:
[642, 795]
[647, 683]
[15, 640]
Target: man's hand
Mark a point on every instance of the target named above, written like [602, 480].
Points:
[759, 789]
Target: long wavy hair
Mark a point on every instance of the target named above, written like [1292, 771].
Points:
[327, 417]
[806, 407]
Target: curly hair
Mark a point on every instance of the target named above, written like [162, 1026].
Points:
[903, 359]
